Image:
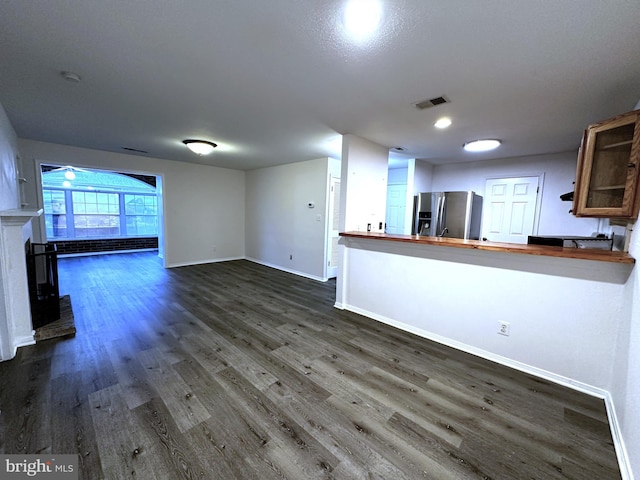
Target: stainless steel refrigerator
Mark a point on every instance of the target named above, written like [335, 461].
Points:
[447, 214]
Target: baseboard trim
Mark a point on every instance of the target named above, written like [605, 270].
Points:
[24, 341]
[616, 433]
[202, 262]
[288, 270]
[618, 440]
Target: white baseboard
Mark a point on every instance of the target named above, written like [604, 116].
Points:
[618, 439]
[202, 262]
[24, 340]
[616, 434]
[288, 270]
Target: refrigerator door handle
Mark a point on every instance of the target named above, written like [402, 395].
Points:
[435, 221]
[441, 225]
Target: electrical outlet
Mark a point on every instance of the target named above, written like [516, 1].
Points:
[504, 328]
[215, 248]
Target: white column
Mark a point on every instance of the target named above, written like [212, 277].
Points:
[363, 196]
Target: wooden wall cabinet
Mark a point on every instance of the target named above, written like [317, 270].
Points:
[607, 179]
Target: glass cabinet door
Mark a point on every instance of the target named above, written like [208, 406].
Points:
[608, 170]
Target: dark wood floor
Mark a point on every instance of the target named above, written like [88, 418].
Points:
[238, 371]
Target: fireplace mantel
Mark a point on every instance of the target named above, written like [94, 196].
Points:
[15, 313]
[18, 216]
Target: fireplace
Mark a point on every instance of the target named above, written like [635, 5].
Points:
[42, 275]
[15, 312]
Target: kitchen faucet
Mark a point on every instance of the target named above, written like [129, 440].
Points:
[444, 230]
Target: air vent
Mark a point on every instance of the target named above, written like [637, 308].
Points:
[431, 103]
[134, 150]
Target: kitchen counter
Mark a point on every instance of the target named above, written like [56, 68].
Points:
[516, 248]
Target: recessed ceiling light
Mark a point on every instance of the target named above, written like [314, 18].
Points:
[362, 17]
[399, 149]
[482, 145]
[201, 147]
[443, 122]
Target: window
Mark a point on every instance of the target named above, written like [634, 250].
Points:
[55, 213]
[141, 214]
[87, 204]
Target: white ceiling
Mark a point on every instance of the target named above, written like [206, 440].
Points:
[275, 81]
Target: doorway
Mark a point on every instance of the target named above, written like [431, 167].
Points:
[509, 210]
[333, 227]
[396, 207]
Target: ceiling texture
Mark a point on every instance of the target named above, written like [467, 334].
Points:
[278, 81]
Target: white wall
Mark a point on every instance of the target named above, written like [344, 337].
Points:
[422, 177]
[625, 389]
[279, 222]
[563, 312]
[8, 201]
[203, 205]
[15, 314]
[365, 168]
[9, 197]
[559, 171]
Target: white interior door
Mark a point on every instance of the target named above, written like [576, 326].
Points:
[334, 227]
[509, 209]
[396, 207]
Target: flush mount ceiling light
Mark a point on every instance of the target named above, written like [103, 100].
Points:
[443, 122]
[482, 145]
[69, 174]
[362, 17]
[201, 147]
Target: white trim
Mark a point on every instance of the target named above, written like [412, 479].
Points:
[23, 341]
[202, 262]
[618, 439]
[288, 270]
[616, 433]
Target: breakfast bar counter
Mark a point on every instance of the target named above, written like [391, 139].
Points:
[516, 248]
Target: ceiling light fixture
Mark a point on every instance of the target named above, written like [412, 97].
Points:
[362, 17]
[443, 122]
[201, 147]
[482, 145]
[69, 174]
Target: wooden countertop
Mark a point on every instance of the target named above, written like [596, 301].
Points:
[542, 250]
